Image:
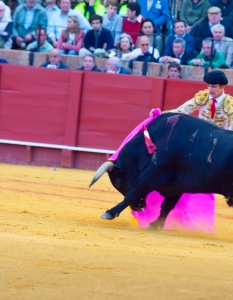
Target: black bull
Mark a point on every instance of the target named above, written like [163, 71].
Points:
[192, 156]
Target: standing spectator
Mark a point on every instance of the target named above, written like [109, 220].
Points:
[89, 64]
[27, 17]
[58, 21]
[204, 30]
[179, 53]
[90, 7]
[226, 7]
[112, 21]
[145, 55]
[223, 44]
[114, 66]
[193, 12]
[174, 70]
[71, 39]
[203, 59]
[51, 8]
[180, 32]
[45, 47]
[5, 28]
[54, 61]
[132, 24]
[98, 40]
[156, 10]
[148, 29]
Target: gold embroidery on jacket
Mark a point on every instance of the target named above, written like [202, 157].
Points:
[228, 105]
[202, 97]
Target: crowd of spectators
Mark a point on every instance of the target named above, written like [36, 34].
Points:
[136, 30]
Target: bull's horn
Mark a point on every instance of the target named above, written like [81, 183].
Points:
[107, 166]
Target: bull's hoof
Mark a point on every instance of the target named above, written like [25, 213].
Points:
[108, 216]
[157, 225]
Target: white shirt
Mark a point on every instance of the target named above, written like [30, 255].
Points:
[138, 52]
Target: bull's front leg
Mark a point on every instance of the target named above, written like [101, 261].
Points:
[167, 205]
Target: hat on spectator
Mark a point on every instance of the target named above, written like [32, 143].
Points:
[216, 77]
[214, 10]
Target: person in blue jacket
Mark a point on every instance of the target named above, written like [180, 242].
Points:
[156, 10]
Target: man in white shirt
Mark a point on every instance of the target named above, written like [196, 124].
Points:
[58, 21]
[213, 104]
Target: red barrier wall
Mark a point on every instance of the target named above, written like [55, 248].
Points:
[73, 108]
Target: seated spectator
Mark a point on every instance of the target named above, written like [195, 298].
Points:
[89, 64]
[7, 10]
[226, 7]
[203, 59]
[204, 30]
[123, 8]
[51, 8]
[45, 46]
[174, 70]
[125, 46]
[58, 21]
[54, 61]
[148, 29]
[98, 40]
[132, 24]
[27, 17]
[223, 44]
[114, 66]
[112, 21]
[71, 39]
[5, 28]
[179, 54]
[90, 7]
[146, 52]
[180, 32]
[193, 12]
[158, 11]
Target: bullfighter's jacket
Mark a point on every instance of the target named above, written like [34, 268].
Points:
[202, 102]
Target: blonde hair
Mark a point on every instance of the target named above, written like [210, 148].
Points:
[75, 29]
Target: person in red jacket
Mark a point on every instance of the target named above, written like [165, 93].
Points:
[132, 24]
[71, 39]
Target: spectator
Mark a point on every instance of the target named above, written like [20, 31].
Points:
[193, 12]
[45, 47]
[145, 52]
[203, 59]
[5, 28]
[59, 21]
[148, 29]
[89, 64]
[204, 30]
[156, 10]
[223, 44]
[226, 7]
[54, 61]
[51, 8]
[125, 46]
[112, 21]
[98, 40]
[23, 2]
[7, 10]
[132, 24]
[123, 8]
[71, 39]
[179, 54]
[114, 66]
[174, 70]
[90, 7]
[27, 17]
[180, 32]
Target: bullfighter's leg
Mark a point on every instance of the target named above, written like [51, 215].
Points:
[167, 205]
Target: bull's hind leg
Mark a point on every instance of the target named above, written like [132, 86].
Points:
[167, 205]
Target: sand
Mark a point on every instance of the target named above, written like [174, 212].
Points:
[54, 245]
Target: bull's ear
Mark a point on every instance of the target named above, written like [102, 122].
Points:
[105, 167]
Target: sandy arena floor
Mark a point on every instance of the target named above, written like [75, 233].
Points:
[53, 244]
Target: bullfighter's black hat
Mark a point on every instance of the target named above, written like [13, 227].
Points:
[216, 77]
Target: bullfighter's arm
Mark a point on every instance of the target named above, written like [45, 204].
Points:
[230, 122]
[187, 108]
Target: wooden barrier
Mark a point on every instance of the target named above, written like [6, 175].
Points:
[77, 119]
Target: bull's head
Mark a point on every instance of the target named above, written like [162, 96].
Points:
[119, 180]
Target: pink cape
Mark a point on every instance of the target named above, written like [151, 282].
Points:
[193, 212]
